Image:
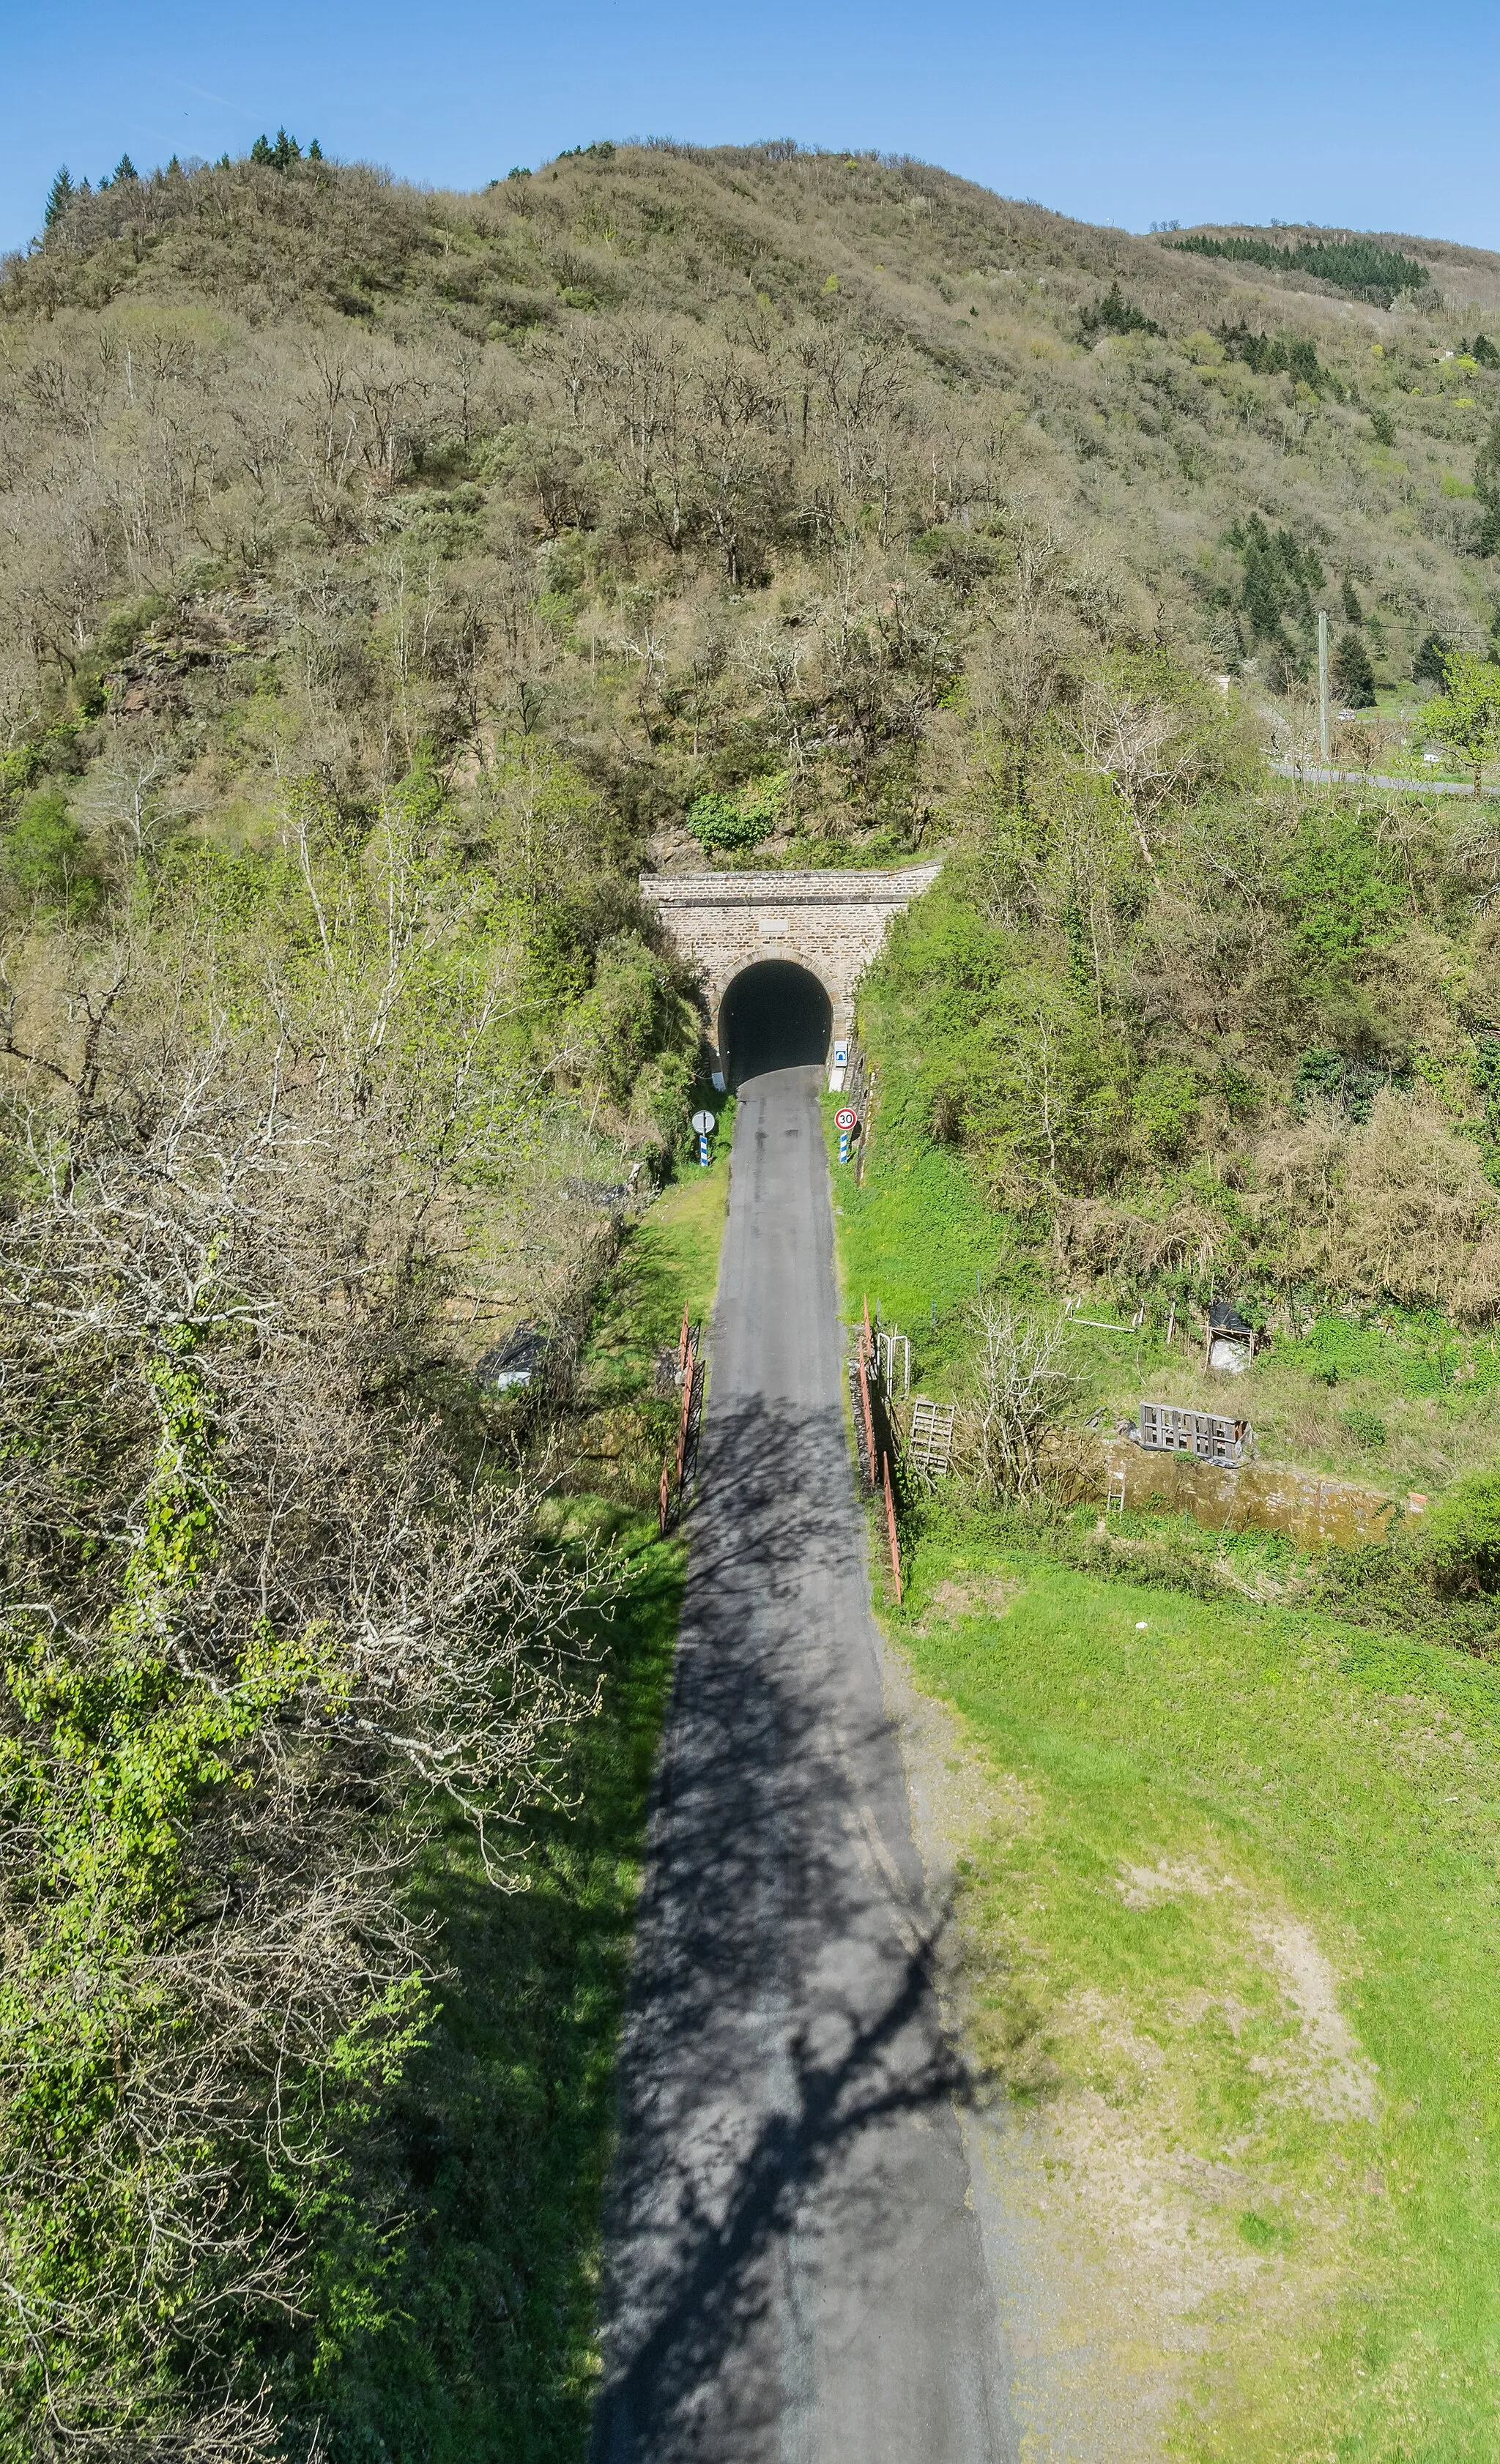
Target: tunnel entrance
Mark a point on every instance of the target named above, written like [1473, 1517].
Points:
[774, 1016]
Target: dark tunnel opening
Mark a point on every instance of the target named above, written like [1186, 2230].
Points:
[774, 1016]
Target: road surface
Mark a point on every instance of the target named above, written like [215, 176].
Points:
[794, 2272]
[1299, 771]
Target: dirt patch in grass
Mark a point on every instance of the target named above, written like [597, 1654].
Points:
[1166, 2169]
[970, 1595]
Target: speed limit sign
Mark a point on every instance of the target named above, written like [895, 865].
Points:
[845, 1118]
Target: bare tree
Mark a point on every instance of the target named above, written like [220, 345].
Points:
[1022, 1393]
[261, 1611]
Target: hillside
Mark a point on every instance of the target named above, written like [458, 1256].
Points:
[386, 578]
[709, 466]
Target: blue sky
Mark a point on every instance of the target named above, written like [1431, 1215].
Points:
[1373, 116]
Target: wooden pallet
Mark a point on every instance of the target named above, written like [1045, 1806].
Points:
[930, 1445]
[1211, 1437]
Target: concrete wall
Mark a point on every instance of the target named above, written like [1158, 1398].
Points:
[832, 923]
[1313, 1509]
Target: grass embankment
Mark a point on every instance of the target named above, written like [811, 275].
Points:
[1226, 1909]
[500, 2135]
[1399, 1398]
[1230, 1907]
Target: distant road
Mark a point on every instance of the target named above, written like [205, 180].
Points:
[1368, 778]
[794, 2266]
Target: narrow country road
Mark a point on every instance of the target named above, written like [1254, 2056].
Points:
[794, 2273]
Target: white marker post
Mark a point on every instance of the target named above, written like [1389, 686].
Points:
[705, 1125]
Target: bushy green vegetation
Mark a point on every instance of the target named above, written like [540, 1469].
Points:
[1226, 1903]
[489, 2155]
[286, 1137]
[1199, 1036]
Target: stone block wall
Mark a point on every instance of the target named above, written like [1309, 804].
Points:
[832, 923]
[1314, 1509]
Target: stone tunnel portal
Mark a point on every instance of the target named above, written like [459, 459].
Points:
[774, 1016]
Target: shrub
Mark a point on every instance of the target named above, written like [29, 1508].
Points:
[741, 820]
[1463, 1534]
[47, 855]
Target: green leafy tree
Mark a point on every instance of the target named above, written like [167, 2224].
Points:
[1462, 1534]
[48, 857]
[1466, 716]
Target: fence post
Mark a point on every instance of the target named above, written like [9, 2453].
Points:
[895, 1545]
[869, 1418]
[687, 1412]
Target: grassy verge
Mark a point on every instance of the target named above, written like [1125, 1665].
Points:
[498, 2139]
[1226, 1906]
[1229, 1907]
[1399, 1398]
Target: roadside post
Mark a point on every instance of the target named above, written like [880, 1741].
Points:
[845, 1120]
[705, 1125]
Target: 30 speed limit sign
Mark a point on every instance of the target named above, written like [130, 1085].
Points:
[846, 1120]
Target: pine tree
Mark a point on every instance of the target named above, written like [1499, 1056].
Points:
[59, 197]
[260, 151]
[315, 152]
[1430, 664]
[1353, 674]
[125, 169]
[1351, 607]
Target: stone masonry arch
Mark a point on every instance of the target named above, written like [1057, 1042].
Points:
[832, 923]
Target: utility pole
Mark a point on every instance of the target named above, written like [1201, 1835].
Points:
[1322, 684]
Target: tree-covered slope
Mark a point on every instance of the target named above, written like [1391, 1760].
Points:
[707, 466]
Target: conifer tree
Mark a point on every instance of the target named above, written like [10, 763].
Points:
[1353, 674]
[59, 197]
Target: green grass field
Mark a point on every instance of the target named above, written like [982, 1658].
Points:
[1228, 1907]
[1230, 1911]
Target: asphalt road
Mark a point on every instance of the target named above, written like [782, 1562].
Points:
[794, 2270]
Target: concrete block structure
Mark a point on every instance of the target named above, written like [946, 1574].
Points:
[831, 925]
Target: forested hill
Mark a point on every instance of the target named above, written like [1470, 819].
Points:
[384, 576]
[708, 468]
